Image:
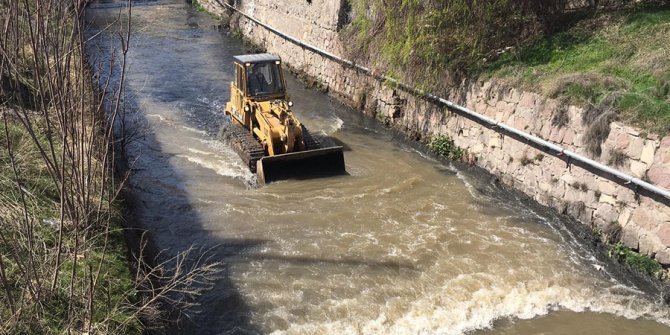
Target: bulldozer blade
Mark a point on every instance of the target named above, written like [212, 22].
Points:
[301, 165]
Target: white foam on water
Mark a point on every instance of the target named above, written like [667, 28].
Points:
[220, 159]
[200, 152]
[218, 166]
[336, 125]
[454, 311]
[193, 130]
[160, 117]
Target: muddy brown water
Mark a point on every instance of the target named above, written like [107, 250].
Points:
[402, 245]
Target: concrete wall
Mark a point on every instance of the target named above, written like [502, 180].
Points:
[617, 211]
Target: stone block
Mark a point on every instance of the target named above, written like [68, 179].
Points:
[477, 149]
[557, 134]
[606, 212]
[528, 100]
[630, 130]
[638, 169]
[607, 187]
[569, 137]
[568, 179]
[545, 131]
[643, 218]
[624, 216]
[664, 233]
[662, 156]
[494, 141]
[492, 102]
[590, 180]
[520, 123]
[575, 115]
[587, 216]
[549, 107]
[629, 237]
[545, 186]
[590, 199]
[507, 109]
[481, 107]
[573, 194]
[621, 141]
[499, 115]
[626, 195]
[635, 146]
[510, 121]
[607, 199]
[660, 176]
[663, 256]
[514, 96]
[647, 245]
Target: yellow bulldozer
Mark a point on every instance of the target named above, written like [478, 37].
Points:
[264, 131]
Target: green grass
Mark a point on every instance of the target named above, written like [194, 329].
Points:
[115, 292]
[198, 6]
[621, 56]
[641, 263]
[443, 146]
[41, 191]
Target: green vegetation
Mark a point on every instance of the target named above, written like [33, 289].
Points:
[198, 6]
[250, 45]
[435, 44]
[444, 146]
[237, 33]
[611, 61]
[641, 263]
[614, 62]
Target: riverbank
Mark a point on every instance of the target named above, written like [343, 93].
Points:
[64, 263]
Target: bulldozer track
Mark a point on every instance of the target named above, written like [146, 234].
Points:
[242, 142]
[310, 142]
[249, 149]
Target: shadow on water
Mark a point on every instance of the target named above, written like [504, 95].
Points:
[160, 205]
[310, 261]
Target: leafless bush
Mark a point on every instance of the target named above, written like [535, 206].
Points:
[598, 130]
[617, 158]
[560, 118]
[59, 256]
[597, 119]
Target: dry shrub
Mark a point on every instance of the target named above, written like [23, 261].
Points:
[589, 81]
[598, 128]
[560, 118]
[617, 158]
[63, 266]
[586, 89]
[436, 44]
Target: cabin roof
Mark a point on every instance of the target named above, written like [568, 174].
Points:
[255, 58]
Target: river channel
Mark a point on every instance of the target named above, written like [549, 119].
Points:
[404, 244]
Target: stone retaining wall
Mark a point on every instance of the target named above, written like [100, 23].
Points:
[615, 210]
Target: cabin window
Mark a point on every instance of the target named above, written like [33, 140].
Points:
[264, 79]
[240, 77]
